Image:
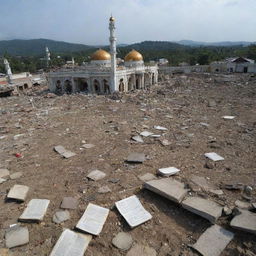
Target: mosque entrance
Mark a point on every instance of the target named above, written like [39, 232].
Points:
[130, 85]
[153, 78]
[68, 86]
[106, 86]
[82, 85]
[147, 80]
[137, 83]
[121, 85]
[96, 86]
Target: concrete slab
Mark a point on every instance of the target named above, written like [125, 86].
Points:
[93, 219]
[213, 241]
[16, 236]
[63, 152]
[35, 210]
[4, 173]
[96, 175]
[18, 192]
[166, 172]
[213, 156]
[69, 203]
[203, 207]
[133, 211]
[168, 188]
[61, 216]
[71, 244]
[245, 221]
[136, 158]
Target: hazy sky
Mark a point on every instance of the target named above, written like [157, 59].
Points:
[86, 21]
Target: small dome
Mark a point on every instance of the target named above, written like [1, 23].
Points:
[133, 56]
[101, 55]
[111, 18]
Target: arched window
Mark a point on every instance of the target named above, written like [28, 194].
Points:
[121, 85]
[106, 86]
[68, 86]
[130, 85]
[96, 86]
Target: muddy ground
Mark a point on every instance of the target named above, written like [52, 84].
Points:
[180, 104]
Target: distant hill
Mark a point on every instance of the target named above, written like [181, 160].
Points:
[35, 47]
[225, 43]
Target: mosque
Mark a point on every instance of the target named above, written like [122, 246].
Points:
[102, 75]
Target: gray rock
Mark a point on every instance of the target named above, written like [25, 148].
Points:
[35, 210]
[217, 192]
[227, 210]
[166, 172]
[96, 175]
[147, 177]
[136, 158]
[4, 173]
[16, 236]
[69, 203]
[169, 188]
[242, 205]
[104, 190]
[71, 244]
[63, 152]
[122, 241]
[61, 216]
[245, 221]
[141, 250]
[203, 207]
[213, 241]
[16, 175]
[165, 142]
[18, 192]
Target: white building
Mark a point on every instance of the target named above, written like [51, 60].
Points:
[103, 75]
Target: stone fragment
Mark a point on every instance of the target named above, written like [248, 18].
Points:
[168, 187]
[227, 210]
[235, 186]
[71, 244]
[2, 180]
[160, 128]
[133, 211]
[138, 138]
[122, 241]
[204, 124]
[96, 175]
[16, 175]
[242, 205]
[4, 173]
[93, 219]
[35, 210]
[104, 190]
[146, 133]
[18, 192]
[166, 172]
[228, 117]
[61, 216]
[63, 152]
[136, 158]
[147, 177]
[212, 103]
[88, 146]
[203, 207]
[16, 236]
[165, 142]
[245, 221]
[217, 192]
[213, 156]
[141, 250]
[69, 203]
[213, 241]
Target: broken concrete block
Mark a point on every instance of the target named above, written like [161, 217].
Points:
[96, 175]
[61, 216]
[122, 241]
[63, 152]
[16, 236]
[93, 219]
[166, 172]
[35, 210]
[136, 158]
[168, 188]
[69, 203]
[71, 244]
[133, 211]
[147, 177]
[146, 133]
[18, 192]
[203, 207]
[160, 128]
[16, 175]
[142, 250]
[213, 241]
[245, 221]
[138, 139]
[213, 156]
[4, 173]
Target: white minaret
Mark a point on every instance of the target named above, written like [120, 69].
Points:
[112, 40]
[48, 58]
[8, 71]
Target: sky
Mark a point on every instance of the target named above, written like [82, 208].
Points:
[86, 21]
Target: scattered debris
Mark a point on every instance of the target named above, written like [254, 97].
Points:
[136, 158]
[18, 192]
[93, 219]
[138, 138]
[71, 244]
[63, 152]
[214, 157]
[213, 241]
[132, 210]
[122, 241]
[96, 175]
[69, 203]
[16, 236]
[141, 250]
[166, 172]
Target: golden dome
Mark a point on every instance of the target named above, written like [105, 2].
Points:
[111, 18]
[101, 55]
[133, 56]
